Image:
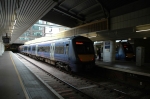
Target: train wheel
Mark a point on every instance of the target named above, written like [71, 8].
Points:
[68, 68]
[57, 64]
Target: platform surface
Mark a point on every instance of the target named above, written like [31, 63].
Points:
[17, 82]
[10, 87]
[126, 66]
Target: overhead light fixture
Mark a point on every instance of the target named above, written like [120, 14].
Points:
[13, 27]
[121, 40]
[92, 36]
[129, 38]
[143, 30]
[15, 22]
[144, 37]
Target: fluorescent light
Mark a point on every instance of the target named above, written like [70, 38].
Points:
[129, 38]
[144, 37]
[121, 40]
[92, 36]
[143, 30]
[15, 22]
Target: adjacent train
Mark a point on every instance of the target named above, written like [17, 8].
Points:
[124, 51]
[74, 54]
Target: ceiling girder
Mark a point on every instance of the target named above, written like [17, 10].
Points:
[68, 14]
[22, 12]
[87, 9]
[105, 10]
[77, 5]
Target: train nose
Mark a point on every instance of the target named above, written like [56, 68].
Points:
[86, 58]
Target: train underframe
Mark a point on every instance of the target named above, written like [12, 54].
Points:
[68, 67]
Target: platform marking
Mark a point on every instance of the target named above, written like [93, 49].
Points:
[24, 90]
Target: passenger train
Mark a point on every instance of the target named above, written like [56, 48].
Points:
[124, 51]
[74, 54]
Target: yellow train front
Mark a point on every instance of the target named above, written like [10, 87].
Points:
[124, 51]
[81, 54]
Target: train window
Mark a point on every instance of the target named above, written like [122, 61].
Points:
[25, 48]
[46, 49]
[40, 49]
[67, 48]
[62, 50]
[28, 48]
[33, 48]
[59, 49]
[56, 49]
[43, 49]
[84, 48]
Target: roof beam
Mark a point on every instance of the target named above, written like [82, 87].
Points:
[68, 14]
[77, 5]
[88, 8]
[105, 10]
[61, 2]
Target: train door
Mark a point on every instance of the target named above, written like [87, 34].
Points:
[66, 51]
[36, 49]
[52, 49]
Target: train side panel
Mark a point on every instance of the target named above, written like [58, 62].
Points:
[61, 51]
[33, 50]
[73, 54]
[42, 50]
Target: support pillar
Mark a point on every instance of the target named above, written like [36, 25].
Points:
[109, 51]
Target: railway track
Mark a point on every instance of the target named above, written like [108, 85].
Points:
[73, 86]
[66, 90]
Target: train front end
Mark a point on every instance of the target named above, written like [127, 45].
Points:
[84, 53]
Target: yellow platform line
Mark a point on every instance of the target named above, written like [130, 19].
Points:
[20, 80]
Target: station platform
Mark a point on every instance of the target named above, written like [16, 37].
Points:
[126, 66]
[17, 82]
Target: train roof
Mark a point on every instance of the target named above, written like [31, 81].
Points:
[63, 39]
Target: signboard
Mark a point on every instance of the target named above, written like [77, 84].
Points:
[107, 44]
[6, 40]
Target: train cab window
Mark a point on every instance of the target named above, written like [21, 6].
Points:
[84, 47]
